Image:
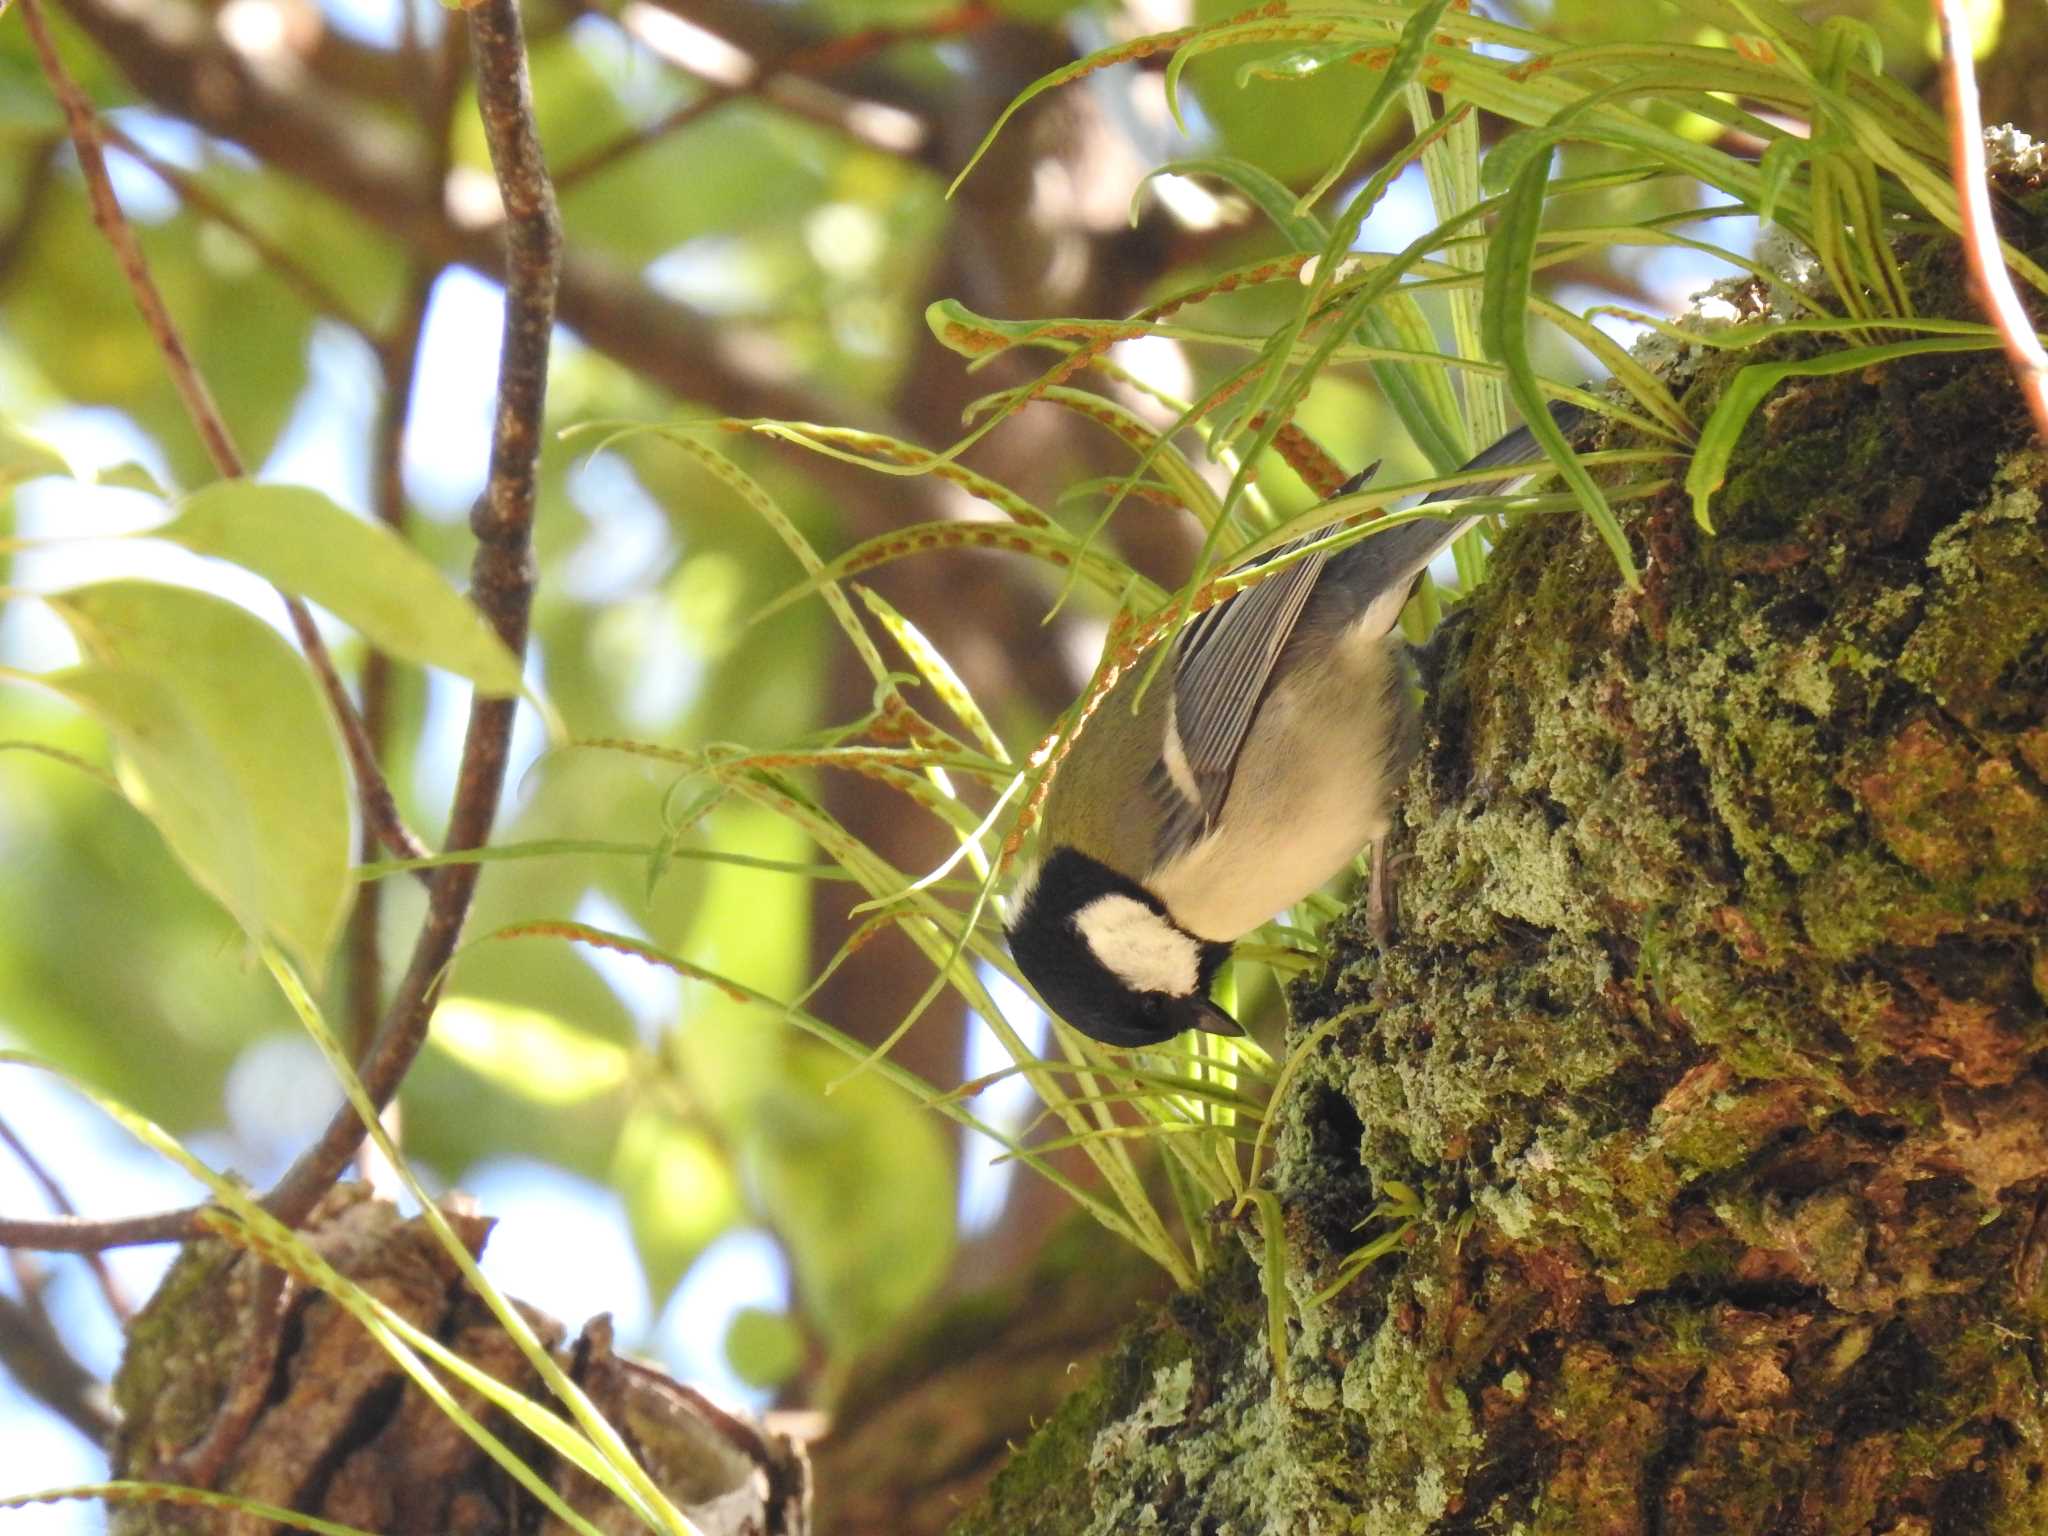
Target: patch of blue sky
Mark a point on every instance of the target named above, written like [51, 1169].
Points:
[381, 23]
[711, 273]
[742, 1268]
[562, 1244]
[45, 1452]
[79, 534]
[325, 443]
[105, 1172]
[279, 1095]
[448, 434]
[629, 533]
[650, 993]
[1403, 212]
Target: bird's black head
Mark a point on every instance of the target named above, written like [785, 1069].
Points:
[1109, 959]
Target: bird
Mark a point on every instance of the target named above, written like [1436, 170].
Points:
[1264, 756]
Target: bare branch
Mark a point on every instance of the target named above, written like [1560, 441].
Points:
[113, 224]
[79, 1234]
[116, 1298]
[398, 359]
[1980, 231]
[502, 581]
[501, 575]
[34, 1354]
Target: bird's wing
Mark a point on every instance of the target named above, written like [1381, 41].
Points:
[1221, 665]
[1223, 660]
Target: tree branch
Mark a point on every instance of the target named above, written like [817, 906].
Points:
[502, 581]
[35, 1356]
[379, 808]
[110, 1289]
[502, 573]
[1980, 230]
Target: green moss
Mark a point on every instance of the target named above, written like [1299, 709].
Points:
[181, 1353]
[1711, 1031]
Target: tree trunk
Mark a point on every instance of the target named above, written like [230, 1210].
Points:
[1712, 1038]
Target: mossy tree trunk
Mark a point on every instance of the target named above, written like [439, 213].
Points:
[1713, 1038]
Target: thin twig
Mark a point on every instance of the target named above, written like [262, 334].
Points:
[110, 1288]
[397, 359]
[113, 225]
[36, 1357]
[313, 290]
[438, 78]
[501, 575]
[379, 808]
[1980, 232]
[79, 1234]
[502, 581]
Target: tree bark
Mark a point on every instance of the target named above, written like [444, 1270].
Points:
[275, 1394]
[1713, 1037]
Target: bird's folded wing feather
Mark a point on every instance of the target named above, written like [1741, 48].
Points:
[1223, 660]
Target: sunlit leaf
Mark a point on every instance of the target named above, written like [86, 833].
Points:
[360, 571]
[679, 1189]
[526, 1052]
[224, 743]
[24, 456]
[764, 1348]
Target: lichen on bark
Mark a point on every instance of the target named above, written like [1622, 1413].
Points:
[1715, 1035]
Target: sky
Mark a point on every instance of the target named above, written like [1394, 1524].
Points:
[561, 1243]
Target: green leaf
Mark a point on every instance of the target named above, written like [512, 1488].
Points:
[24, 456]
[765, 1348]
[1416, 37]
[129, 475]
[1504, 326]
[224, 743]
[679, 1189]
[358, 570]
[1746, 391]
[526, 1052]
[860, 1185]
[1273, 198]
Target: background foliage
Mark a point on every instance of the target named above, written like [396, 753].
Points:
[755, 202]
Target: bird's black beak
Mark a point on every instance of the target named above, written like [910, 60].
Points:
[1203, 1014]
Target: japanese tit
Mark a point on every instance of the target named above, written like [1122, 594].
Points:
[1262, 758]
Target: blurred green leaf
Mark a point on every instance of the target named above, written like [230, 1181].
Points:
[360, 571]
[128, 475]
[529, 1053]
[764, 1348]
[224, 743]
[860, 1187]
[680, 1192]
[66, 307]
[24, 456]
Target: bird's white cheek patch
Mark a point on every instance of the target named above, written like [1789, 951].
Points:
[1141, 948]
